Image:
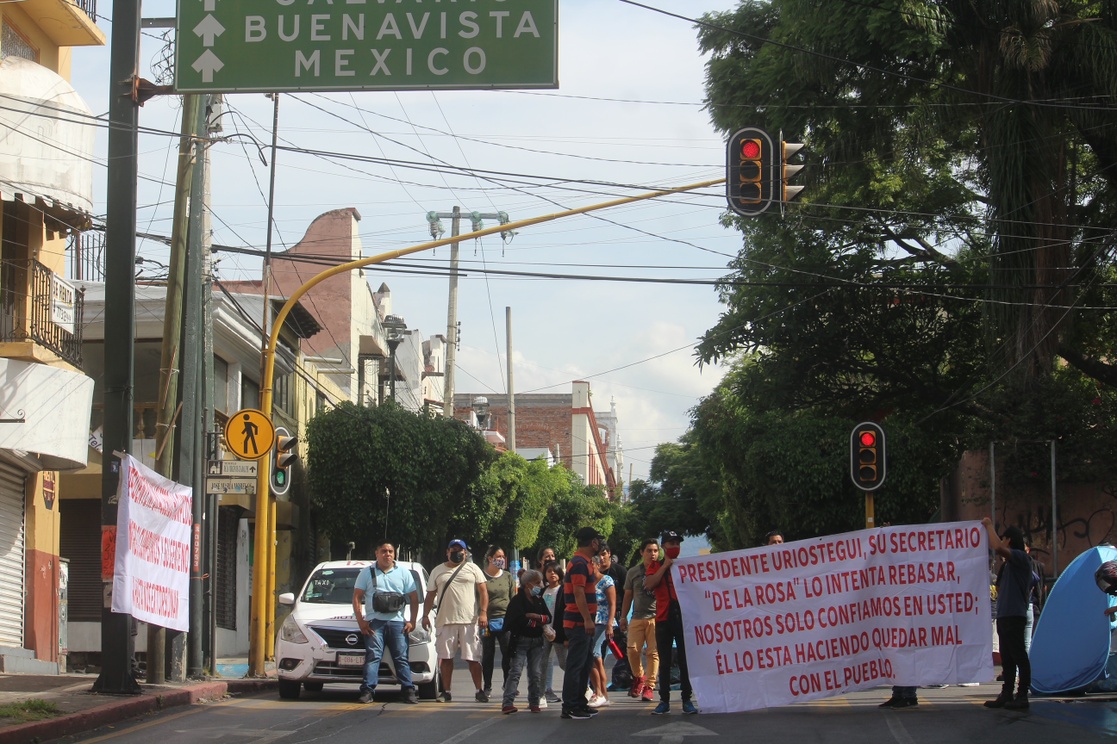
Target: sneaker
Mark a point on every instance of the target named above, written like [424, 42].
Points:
[552, 697]
[540, 704]
[444, 697]
[905, 703]
[591, 712]
[481, 696]
[648, 694]
[637, 687]
[508, 709]
[889, 702]
[662, 709]
[599, 702]
[1020, 702]
[411, 696]
[536, 708]
[688, 707]
[577, 715]
[365, 697]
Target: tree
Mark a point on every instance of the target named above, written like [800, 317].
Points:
[386, 471]
[952, 132]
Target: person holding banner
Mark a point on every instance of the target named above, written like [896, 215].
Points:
[1014, 586]
[669, 635]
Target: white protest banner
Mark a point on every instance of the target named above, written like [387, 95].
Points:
[815, 618]
[153, 524]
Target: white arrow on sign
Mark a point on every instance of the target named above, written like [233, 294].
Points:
[209, 28]
[674, 733]
[209, 5]
[207, 64]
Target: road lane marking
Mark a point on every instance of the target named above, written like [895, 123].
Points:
[899, 733]
[464, 735]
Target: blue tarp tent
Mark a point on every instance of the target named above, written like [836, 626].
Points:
[1070, 645]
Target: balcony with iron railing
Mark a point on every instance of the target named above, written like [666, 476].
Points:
[66, 22]
[34, 308]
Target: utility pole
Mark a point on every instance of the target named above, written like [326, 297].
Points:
[191, 443]
[511, 388]
[452, 303]
[120, 301]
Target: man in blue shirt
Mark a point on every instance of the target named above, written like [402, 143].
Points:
[388, 626]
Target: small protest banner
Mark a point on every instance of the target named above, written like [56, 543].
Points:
[151, 580]
[904, 605]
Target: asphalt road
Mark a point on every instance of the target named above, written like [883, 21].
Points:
[953, 714]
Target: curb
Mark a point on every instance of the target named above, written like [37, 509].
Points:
[122, 709]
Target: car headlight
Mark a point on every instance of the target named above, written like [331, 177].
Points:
[291, 632]
[419, 636]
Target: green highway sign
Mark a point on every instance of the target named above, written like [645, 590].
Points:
[234, 46]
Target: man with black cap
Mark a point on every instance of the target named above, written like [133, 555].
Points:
[578, 622]
[669, 625]
[463, 606]
[1014, 587]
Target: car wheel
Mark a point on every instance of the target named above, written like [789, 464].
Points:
[312, 686]
[289, 690]
[429, 690]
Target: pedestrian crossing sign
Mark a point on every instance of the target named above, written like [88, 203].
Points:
[249, 434]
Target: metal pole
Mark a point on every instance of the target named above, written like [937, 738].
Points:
[193, 400]
[120, 300]
[1054, 520]
[993, 482]
[511, 387]
[451, 319]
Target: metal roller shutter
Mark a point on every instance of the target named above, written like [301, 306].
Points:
[80, 543]
[11, 555]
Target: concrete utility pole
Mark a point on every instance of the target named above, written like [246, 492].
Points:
[511, 389]
[120, 303]
[452, 302]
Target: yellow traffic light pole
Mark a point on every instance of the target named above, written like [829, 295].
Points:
[263, 575]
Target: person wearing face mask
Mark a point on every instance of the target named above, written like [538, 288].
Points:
[579, 623]
[669, 625]
[501, 586]
[458, 587]
[524, 622]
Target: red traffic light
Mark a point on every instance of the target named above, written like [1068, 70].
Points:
[868, 439]
[867, 462]
[750, 149]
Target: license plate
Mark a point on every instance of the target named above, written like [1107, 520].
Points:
[350, 660]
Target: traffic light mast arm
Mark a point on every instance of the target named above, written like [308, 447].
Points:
[263, 539]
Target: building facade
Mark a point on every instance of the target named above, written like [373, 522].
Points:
[565, 425]
[46, 191]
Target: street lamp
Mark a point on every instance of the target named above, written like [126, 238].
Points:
[395, 326]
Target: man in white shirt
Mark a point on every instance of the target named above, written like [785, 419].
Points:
[458, 585]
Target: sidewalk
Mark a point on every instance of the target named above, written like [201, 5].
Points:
[82, 710]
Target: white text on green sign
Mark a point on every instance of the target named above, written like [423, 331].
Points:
[292, 45]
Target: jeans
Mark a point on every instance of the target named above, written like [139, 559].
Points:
[669, 639]
[528, 651]
[904, 693]
[578, 660]
[488, 657]
[390, 632]
[1014, 657]
[559, 651]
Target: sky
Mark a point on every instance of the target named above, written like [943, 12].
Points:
[626, 118]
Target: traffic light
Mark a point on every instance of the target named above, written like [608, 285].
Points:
[750, 171]
[282, 456]
[867, 456]
[787, 172]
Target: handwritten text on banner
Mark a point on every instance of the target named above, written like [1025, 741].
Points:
[811, 619]
[152, 572]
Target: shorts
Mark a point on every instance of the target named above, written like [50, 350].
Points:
[453, 637]
[599, 641]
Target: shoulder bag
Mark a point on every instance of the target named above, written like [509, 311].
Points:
[385, 602]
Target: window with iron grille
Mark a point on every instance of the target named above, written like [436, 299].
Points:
[13, 44]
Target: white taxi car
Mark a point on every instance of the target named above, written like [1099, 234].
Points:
[320, 642]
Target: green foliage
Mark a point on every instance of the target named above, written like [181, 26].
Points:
[382, 470]
[25, 711]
